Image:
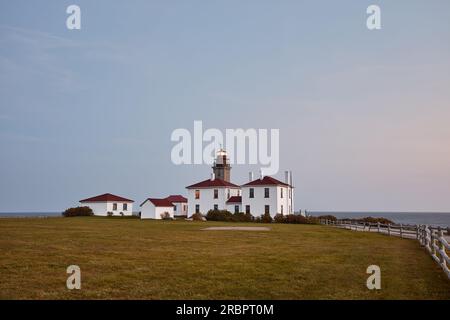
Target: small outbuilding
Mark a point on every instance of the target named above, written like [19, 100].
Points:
[153, 208]
[109, 204]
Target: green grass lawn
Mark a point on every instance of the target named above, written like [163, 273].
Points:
[134, 259]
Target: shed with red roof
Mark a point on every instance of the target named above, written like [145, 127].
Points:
[109, 204]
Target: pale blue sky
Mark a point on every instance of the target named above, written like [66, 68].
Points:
[364, 116]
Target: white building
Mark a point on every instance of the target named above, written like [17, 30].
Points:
[257, 197]
[268, 195]
[108, 203]
[211, 194]
[153, 208]
[180, 205]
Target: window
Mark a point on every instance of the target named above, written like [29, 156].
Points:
[216, 207]
[236, 209]
[252, 193]
[197, 208]
[247, 209]
[174, 208]
[228, 195]
[197, 194]
[216, 193]
[125, 206]
[282, 192]
[267, 209]
[281, 207]
[114, 206]
[266, 192]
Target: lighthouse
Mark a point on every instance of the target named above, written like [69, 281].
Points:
[222, 168]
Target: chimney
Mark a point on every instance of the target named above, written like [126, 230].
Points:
[286, 177]
[261, 174]
[250, 176]
[290, 179]
[213, 176]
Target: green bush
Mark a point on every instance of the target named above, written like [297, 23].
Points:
[242, 217]
[219, 215]
[165, 216]
[266, 218]
[198, 217]
[375, 220]
[78, 212]
[295, 219]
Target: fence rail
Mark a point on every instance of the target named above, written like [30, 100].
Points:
[432, 238]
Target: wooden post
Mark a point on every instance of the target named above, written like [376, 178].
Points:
[442, 247]
[417, 232]
[389, 229]
[401, 230]
[378, 227]
[433, 249]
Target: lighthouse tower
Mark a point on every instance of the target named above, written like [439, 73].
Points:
[222, 168]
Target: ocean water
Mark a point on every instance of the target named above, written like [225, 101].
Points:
[438, 219]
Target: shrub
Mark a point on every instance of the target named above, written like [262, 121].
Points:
[295, 219]
[376, 220]
[198, 217]
[165, 216]
[78, 212]
[242, 217]
[266, 218]
[279, 218]
[219, 215]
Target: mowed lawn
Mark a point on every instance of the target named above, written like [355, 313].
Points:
[134, 259]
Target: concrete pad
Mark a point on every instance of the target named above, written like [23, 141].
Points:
[237, 229]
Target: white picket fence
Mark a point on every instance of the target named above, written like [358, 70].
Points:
[432, 238]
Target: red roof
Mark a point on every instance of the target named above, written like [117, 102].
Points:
[107, 197]
[266, 181]
[176, 198]
[159, 202]
[235, 199]
[219, 183]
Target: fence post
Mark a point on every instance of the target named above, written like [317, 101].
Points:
[442, 247]
[433, 249]
[389, 229]
[401, 230]
[417, 231]
[378, 224]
